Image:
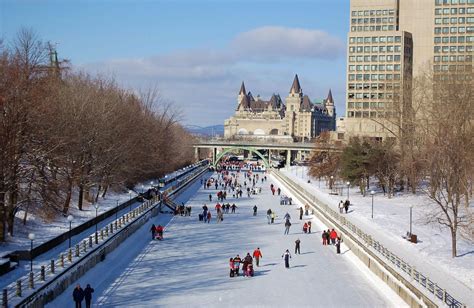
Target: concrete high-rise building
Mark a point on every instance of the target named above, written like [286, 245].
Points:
[392, 41]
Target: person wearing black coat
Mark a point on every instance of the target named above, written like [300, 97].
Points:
[78, 296]
[88, 295]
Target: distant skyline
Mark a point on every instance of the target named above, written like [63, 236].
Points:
[197, 53]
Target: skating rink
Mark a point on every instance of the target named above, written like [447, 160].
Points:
[189, 268]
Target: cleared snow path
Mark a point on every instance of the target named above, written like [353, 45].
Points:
[190, 266]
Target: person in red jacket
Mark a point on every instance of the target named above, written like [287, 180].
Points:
[159, 230]
[257, 254]
[333, 236]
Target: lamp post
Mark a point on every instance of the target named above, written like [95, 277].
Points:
[70, 218]
[31, 236]
[143, 188]
[96, 208]
[372, 193]
[331, 182]
[348, 186]
[411, 208]
[130, 199]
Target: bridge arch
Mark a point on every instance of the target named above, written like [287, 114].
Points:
[251, 150]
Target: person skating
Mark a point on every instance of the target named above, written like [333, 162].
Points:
[232, 267]
[88, 295]
[257, 254]
[269, 216]
[287, 226]
[338, 245]
[273, 217]
[333, 236]
[233, 207]
[301, 213]
[306, 209]
[237, 261]
[254, 210]
[153, 230]
[309, 226]
[78, 296]
[279, 190]
[324, 237]
[209, 217]
[210, 198]
[287, 216]
[305, 227]
[297, 246]
[287, 257]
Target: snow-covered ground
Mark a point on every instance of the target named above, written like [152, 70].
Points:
[189, 268]
[431, 256]
[45, 231]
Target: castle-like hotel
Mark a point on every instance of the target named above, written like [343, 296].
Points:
[297, 120]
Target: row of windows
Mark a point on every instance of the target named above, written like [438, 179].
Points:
[453, 58]
[375, 58]
[375, 39]
[372, 96]
[367, 114]
[451, 39]
[373, 28]
[447, 30]
[365, 77]
[366, 105]
[439, 2]
[380, 67]
[469, 10]
[373, 12]
[378, 20]
[374, 86]
[452, 68]
[454, 20]
[390, 48]
[444, 49]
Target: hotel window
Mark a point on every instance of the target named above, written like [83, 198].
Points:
[462, 20]
[351, 40]
[396, 58]
[437, 30]
[445, 58]
[470, 20]
[462, 58]
[445, 21]
[454, 20]
[470, 10]
[437, 59]
[446, 39]
[454, 30]
[437, 40]
[461, 39]
[373, 67]
[382, 67]
[454, 11]
[389, 58]
[453, 39]
[366, 40]
[397, 67]
[366, 68]
[359, 58]
[462, 30]
[366, 58]
[445, 30]
[470, 29]
[437, 12]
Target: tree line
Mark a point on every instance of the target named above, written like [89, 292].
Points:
[65, 133]
[430, 149]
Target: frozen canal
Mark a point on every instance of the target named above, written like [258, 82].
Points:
[189, 268]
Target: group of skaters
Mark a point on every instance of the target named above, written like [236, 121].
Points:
[247, 264]
[183, 210]
[273, 189]
[285, 200]
[330, 237]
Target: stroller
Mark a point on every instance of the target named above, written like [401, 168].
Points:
[249, 272]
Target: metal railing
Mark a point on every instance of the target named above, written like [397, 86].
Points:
[366, 239]
[28, 284]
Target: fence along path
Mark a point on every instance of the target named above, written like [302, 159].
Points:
[32, 290]
[423, 283]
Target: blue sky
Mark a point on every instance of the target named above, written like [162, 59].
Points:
[197, 52]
